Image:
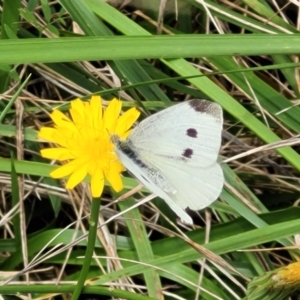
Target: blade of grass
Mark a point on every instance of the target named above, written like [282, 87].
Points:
[99, 48]
[13, 99]
[143, 247]
[15, 202]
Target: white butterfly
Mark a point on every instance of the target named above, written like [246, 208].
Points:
[174, 154]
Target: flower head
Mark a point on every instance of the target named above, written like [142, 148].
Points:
[84, 140]
[276, 284]
[288, 275]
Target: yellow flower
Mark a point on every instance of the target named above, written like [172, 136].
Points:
[84, 140]
[288, 275]
[276, 284]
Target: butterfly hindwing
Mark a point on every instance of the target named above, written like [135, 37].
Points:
[153, 181]
[196, 187]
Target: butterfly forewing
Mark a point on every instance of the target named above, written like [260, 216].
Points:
[184, 131]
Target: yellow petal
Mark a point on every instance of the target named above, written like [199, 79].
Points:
[77, 112]
[59, 118]
[63, 171]
[113, 176]
[76, 178]
[111, 114]
[62, 138]
[57, 153]
[116, 182]
[56, 135]
[126, 121]
[97, 183]
[96, 109]
[47, 133]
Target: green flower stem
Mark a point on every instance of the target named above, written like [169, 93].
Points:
[89, 249]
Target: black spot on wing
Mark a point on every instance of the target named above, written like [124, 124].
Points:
[207, 107]
[192, 132]
[187, 153]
